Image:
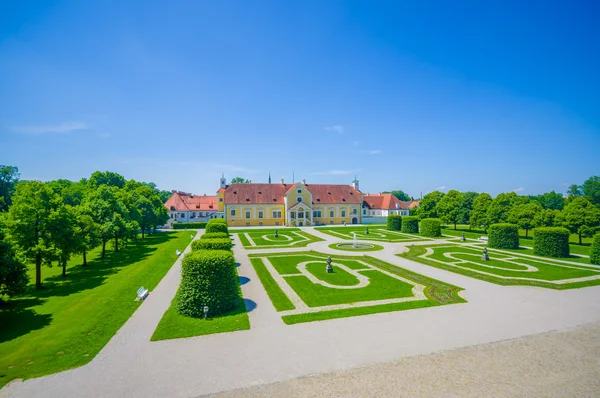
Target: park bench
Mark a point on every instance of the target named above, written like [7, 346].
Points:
[142, 293]
[483, 238]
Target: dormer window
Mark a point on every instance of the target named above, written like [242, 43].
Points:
[299, 190]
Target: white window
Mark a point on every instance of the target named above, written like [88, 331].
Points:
[300, 190]
[232, 212]
[260, 214]
[247, 213]
[331, 213]
[276, 213]
[181, 215]
[354, 211]
[344, 213]
[317, 213]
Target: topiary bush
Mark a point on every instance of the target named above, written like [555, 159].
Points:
[216, 226]
[394, 222]
[189, 225]
[208, 278]
[503, 236]
[212, 244]
[410, 224]
[214, 235]
[551, 242]
[218, 220]
[595, 251]
[431, 227]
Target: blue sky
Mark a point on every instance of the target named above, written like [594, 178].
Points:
[484, 96]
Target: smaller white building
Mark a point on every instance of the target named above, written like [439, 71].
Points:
[376, 207]
[186, 207]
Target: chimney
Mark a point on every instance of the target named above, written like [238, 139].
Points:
[282, 181]
[304, 181]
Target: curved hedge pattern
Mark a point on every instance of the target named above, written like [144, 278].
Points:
[595, 251]
[394, 222]
[431, 227]
[503, 236]
[214, 235]
[551, 242]
[212, 244]
[208, 278]
[410, 225]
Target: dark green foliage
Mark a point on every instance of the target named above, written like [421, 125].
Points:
[410, 224]
[208, 277]
[551, 242]
[503, 236]
[214, 235]
[431, 227]
[212, 244]
[394, 222]
[218, 220]
[595, 251]
[189, 225]
[13, 271]
[216, 226]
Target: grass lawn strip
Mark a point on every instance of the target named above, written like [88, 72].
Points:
[375, 234]
[265, 239]
[66, 324]
[280, 301]
[358, 286]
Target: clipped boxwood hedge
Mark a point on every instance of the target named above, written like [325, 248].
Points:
[595, 251]
[431, 227]
[410, 224]
[394, 222]
[208, 278]
[214, 235]
[216, 226]
[218, 220]
[212, 244]
[503, 236]
[551, 242]
[189, 225]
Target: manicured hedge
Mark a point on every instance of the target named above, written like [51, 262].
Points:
[410, 224]
[595, 251]
[217, 226]
[551, 242]
[189, 225]
[212, 244]
[394, 222]
[503, 236]
[208, 278]
[214, 235]
[431, 227]
[218, 220]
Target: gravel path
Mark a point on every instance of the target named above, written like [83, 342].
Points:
[563, 364]
[132, 366]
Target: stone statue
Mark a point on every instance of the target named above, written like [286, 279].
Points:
[463, 237]
[329, 268]
[485, 256]
[276, 233]
[367, 231]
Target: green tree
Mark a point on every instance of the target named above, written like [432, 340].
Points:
[581, 217]
[427, 206]
[524, 215]
[591, 190]
[400, 195]
[551, 200]
[9, 176]
[104, 205]
[574, 191]
[88, 231]
[466, 207]
[65, 234]
[13, 270]
[448, 207]
[239, 180]
[547, 218]
[479, 213]
[500, 207]
[106, 178]
[30, 222]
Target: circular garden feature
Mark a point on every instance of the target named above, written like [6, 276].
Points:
[358, 247]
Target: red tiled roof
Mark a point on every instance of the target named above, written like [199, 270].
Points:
[254, 193]
[334, 193]
[184, 202]
[413, 203]
[385, 201]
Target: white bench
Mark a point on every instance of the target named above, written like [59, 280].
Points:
[483, 238]
[142, 293]
[177, 253]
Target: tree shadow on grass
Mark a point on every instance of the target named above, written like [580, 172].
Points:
[17, 318]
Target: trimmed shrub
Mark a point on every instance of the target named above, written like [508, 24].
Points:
[410, 225]
[189, 225]
[503, 236]
[214, 235]
[595, 251]
[551, 242]
[208, 278]
[218, 220]
[394, 222]
[431, 227]
[212, 244]
[217, 227]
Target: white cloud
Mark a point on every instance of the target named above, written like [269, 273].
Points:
[518, 189]
[62, 128]
[335, 128]
[372, 151]
[332, 173]
[441, 188]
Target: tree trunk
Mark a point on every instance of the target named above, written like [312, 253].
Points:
[84, 258]
[64, 267]
[455, 226]
[116, 244]
[38, 270]
[526, 233]
[579, 238]
[103, 248]
[143, 236]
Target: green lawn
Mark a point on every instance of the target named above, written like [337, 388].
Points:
[66, 324]
[501, 269]
[265, 238]
[376, 233]
[381, 286]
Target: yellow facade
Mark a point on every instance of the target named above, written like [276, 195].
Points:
[254, 215]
